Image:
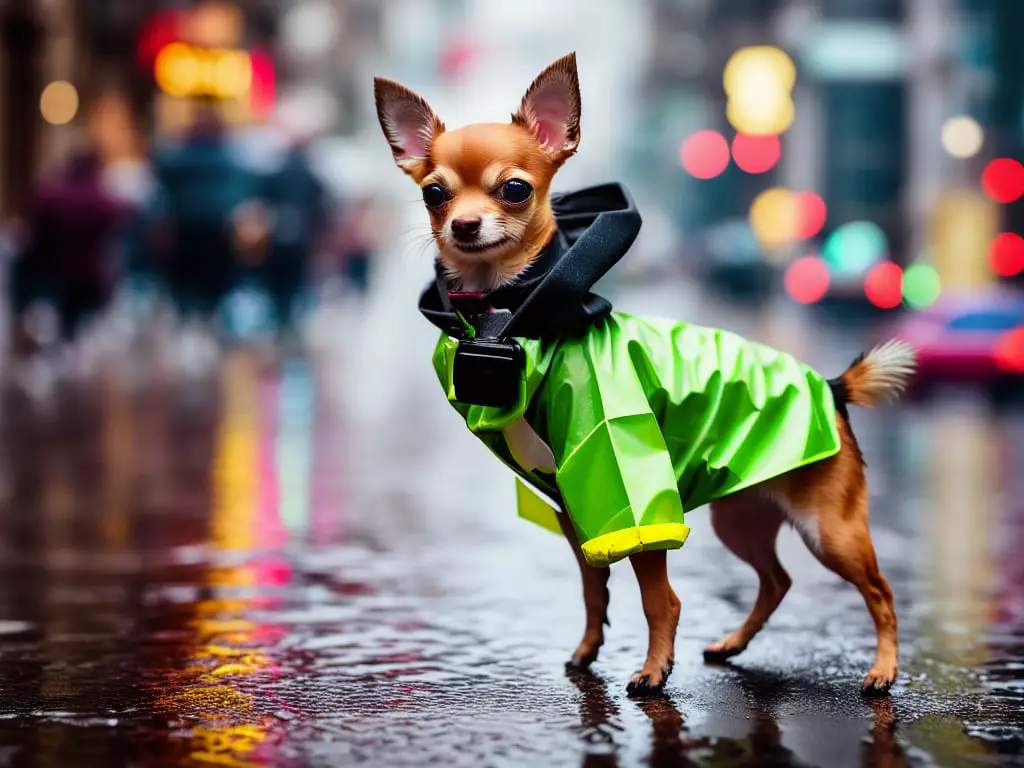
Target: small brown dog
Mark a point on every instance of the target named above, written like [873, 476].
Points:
[486, 189]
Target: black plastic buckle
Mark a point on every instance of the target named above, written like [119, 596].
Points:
[488, 372]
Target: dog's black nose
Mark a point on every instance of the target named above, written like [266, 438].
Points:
[465, 229]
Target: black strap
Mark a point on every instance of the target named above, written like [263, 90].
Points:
[442, 289]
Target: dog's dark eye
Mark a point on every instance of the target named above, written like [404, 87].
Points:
[515, 191]
[434, 195]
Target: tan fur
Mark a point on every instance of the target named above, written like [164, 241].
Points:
[471, 163]
[826, 502]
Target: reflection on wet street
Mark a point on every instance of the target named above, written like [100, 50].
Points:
[312, 563]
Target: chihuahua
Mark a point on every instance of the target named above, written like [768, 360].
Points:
[486, 188]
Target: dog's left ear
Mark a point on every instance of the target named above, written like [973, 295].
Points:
[551, 109]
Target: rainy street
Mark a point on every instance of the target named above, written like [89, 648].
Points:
[314, 563]
[240, 523]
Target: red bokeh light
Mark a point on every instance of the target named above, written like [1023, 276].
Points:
[1009, 352]
[264, 83]
[884, 285]
[457, 56]
[1006, 254]
[162, 28]
[1003, 180]
[756, 154]
[705, 154]
[811, 214]
[807, 280]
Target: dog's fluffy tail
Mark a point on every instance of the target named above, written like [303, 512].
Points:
[878, 377]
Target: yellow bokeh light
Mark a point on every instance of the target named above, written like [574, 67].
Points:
[183, 70]
[962, 136]
[763, 113]
[176, 69]
[231, 74]
[774, 216]
[759, 82]
[59, 102]
[758, 68]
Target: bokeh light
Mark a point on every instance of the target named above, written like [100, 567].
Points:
[186, 71]
[761, 115]
[59, 102]
[756, 154]
[811, 214]
[759, 81]
[855, 247]
[1003, 180]
[705, 154]
[773, 217]
[807, 280]
[883, 285]
[1009, 351]
[962, 136]
[921, 286]
[1006, 254]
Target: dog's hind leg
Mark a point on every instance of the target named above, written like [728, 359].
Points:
[595, 600]
[748, 525]
[828, 503]
[661, 607]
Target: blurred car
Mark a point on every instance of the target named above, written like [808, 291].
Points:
[974, 340]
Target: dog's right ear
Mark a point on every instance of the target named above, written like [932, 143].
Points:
[409, 125]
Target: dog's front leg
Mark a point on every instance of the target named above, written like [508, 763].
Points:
[661, 607]
[595, 599]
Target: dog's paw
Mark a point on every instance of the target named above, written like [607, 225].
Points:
[647, 683]
[724, 649]
[584, 655]
[878, 681]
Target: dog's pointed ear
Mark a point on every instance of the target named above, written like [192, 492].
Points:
[409, 125]
[551, 108]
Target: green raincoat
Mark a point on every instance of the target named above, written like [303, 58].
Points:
[645, 420]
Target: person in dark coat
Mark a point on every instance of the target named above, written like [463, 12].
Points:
[71, 223]
[299, 209]
[202, 187]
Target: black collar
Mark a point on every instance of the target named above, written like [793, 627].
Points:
[552, 298]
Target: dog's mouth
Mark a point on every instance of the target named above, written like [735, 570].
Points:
[481, 247]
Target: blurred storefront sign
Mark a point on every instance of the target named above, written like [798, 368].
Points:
[201, 54]
[855, 50]
[964, 223]
[190, 71]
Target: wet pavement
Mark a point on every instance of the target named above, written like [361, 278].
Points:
[314, 563]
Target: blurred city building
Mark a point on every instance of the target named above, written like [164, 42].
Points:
[858, 134]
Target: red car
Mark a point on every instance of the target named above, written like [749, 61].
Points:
[973, 339]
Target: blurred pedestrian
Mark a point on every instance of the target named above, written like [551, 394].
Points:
[357, 242]
[202, 189]
[68, 257]
[299, 207]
